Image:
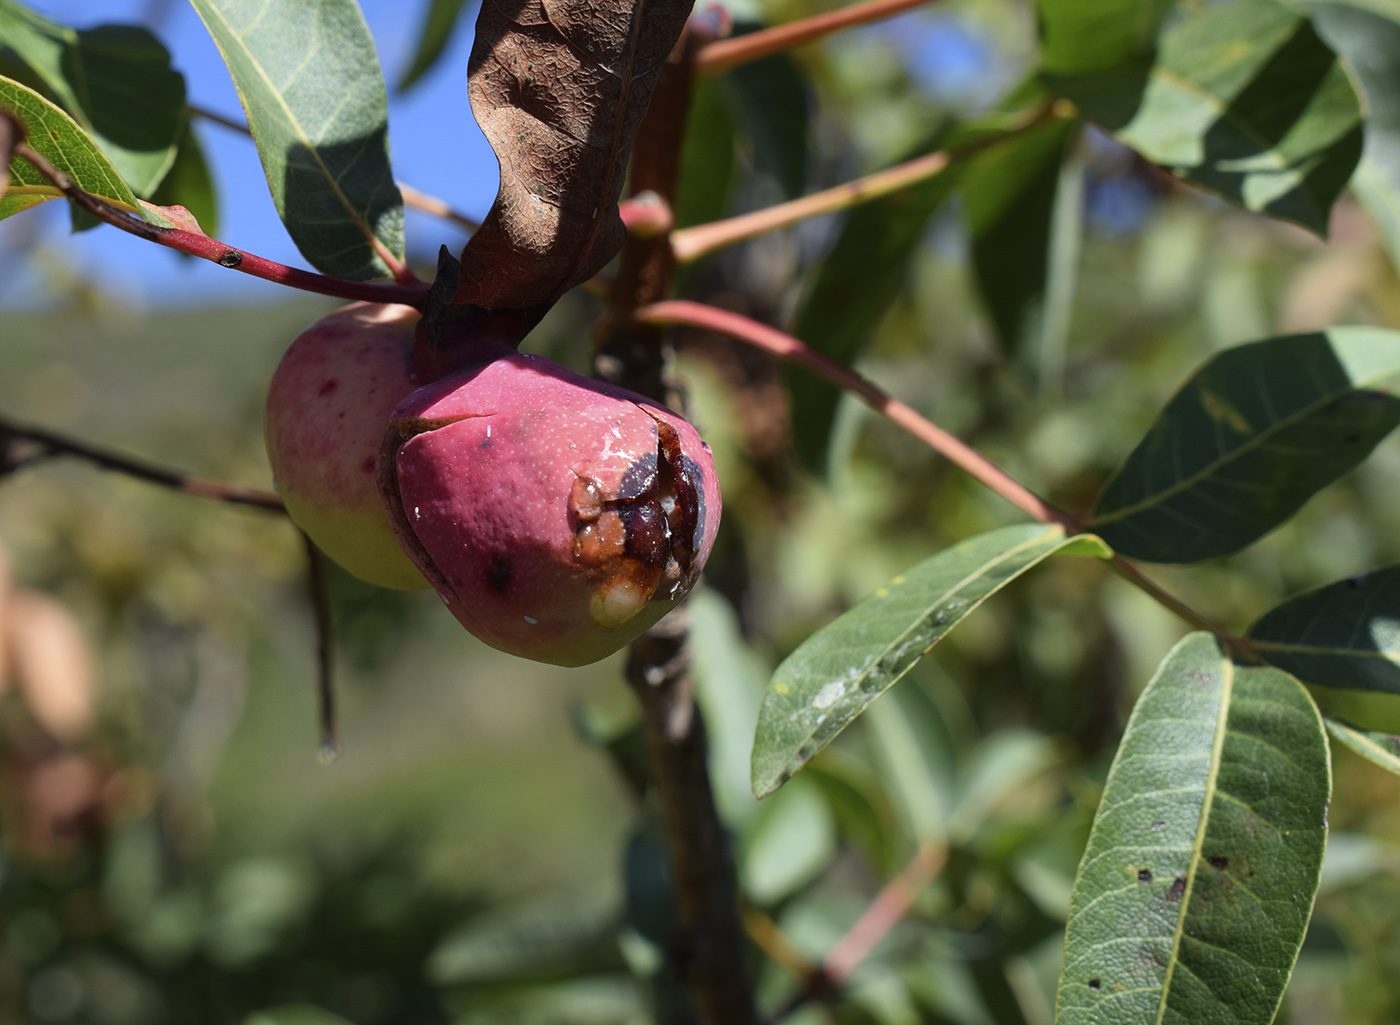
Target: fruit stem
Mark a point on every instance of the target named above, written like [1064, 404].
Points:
[785, 346]
[51, 445]
[691, 243]
[725, 54]
[201, 245]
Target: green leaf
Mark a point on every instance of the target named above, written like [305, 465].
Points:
[308, 76]
[1244, 99]
[1096, 35]
[1252, 436]
[438, 25]
[115, 80]
[1369, 39]
[853, 288]
[770, 102]
[1346, 634]
[62, 140]
[793, 840]
[838, 671]
[1195, 890]
[548, 936]
[1009, 194]
[707, 156]
[189, 183]
[1379, 748]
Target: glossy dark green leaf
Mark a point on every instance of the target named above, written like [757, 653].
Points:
[114, 80]
[1343, 635]
[1368, 36]
[707, 156]
[1244, 99]
[308, 76]
[439, 22]
[189, 184]
[770, 102]
[1255, 433]
[1195, 890]
[838, 671]
[851, 291]
[62, 140]
[1379, 748]
[1009, 194]
[1095, 35]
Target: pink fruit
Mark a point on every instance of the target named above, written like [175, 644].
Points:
[557, 516]
[327, 408]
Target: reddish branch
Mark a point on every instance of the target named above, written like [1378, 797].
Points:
[50, 444]
[206, 248]
[724, 54]
[690, 243]
[785, 346]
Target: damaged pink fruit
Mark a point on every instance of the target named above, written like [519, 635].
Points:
[557, 516]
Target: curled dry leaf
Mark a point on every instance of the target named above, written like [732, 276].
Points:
[51, 663]
[559, 87]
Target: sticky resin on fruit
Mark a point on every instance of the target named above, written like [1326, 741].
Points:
[557, 516]
[330, 399]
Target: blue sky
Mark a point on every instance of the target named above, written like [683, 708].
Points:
[435, 144]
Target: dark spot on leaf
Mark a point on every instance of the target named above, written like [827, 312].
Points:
[1094, 983]
[1159, 824]
[1144, 876]
[498, 575]
[328, 387]
[1220, 862]
[1178, 887]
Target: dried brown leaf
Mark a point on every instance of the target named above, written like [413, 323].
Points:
[52, 665]
[559, 87]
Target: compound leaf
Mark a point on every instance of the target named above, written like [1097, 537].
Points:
[1195, 890]
[1252, 436]
[309, 79]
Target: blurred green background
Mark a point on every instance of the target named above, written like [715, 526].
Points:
[479, 852]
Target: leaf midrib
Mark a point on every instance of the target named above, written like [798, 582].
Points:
[1198, 845]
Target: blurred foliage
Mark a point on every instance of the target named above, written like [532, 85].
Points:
[479, 852]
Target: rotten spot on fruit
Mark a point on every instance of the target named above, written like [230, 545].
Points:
[642, 540]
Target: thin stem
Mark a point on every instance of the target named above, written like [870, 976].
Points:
[884, 912]
[724, 54]
[196, 244]
[55, 444]
[412, 197]
[325, 680]
[691, 243]
[1137, 578]
[785, 346]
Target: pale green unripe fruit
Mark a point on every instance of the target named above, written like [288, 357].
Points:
[327, 409]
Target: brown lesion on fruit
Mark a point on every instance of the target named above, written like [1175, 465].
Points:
[642, 546]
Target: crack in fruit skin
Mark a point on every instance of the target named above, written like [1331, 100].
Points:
[328, 402]
[558, 516]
